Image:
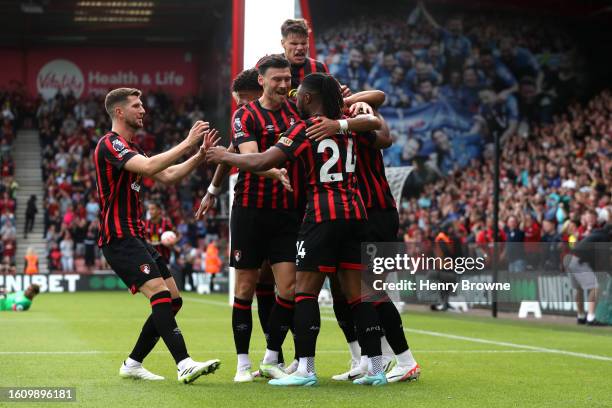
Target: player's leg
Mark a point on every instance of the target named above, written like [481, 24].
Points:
[246, 255]
[281, 253]
[344, 318]
[281, 317]
[148, 335]
[133, 263]
[307, 323]
[265, 294]
[316, 253]
[366, 318]
[242, 321]
[383, 227]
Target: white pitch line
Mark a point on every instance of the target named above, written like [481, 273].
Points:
[466, 338]
[94, 352]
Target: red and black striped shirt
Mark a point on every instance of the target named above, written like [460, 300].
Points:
[373, 183]
[118, 189]
[329, 168]
[298, 72]
[253, 123]
[153, 232]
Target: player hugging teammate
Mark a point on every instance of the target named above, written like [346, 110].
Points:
[317, 98]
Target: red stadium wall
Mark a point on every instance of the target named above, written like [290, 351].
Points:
[88, 70]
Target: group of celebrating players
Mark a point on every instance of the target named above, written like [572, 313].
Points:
[311, 188]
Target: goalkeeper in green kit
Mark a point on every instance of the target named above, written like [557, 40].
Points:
[18, 301]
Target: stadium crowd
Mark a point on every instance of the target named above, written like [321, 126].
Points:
[531, 68]
[69, 131]
[519, 79]
[13, 108]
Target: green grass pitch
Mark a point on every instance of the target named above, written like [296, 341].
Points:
[80, 339]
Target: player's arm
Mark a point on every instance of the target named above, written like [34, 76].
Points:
[252, 162]
[325, 127]
[374, 98]
[148, 166]
[178, 172]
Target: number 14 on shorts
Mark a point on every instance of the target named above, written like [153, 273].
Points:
[301, 251]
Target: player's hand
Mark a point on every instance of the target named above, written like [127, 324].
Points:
[322, 129]
[283, 177]
[208, 202]
[214, 155]
[346, 91]
[360, 108]
[211, 139]
[197, 132]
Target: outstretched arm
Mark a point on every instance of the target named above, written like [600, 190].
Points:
[429, 17]
[178, 172]
[326, 127]
[253, 162]
[149, 166]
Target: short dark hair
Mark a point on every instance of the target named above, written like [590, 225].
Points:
[117, 96]
[271, 61]
[246, 81]
[35, 288]
[296, 26]
[155, 203]
[329, 91]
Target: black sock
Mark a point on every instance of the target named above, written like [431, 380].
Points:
[344, 317]
[165, 324]
[368, 327]
[148, 335]
[391, 322]
[279, 323]
[307, 320]
[242, 324]
[265, 302]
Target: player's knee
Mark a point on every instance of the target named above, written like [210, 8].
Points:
[177, 304]
[245, 289]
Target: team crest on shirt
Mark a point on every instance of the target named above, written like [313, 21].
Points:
[237, 125]
[291, 122]
[286, 141]
[237, 255]
[145, 268]
[118, 146]
[270, 128]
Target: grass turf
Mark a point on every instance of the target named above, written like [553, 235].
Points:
[97, 330]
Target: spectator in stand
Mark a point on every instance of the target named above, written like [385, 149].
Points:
[420, 73]
[496, 74]
[67, 252]
[398, 92]
[496, 116]
[457, 46]
[213, 263]
[353, 73]
[381, 70]
[30, 266]
[514, 250]
[551, 251]
[426, 93]
[520, 61]
[30, 215]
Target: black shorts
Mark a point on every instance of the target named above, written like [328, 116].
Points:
[383, 225]
[331, 245]
[258, 234]
[135, 261]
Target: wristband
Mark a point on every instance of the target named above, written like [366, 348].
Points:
[214, 190]
[343, 125]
